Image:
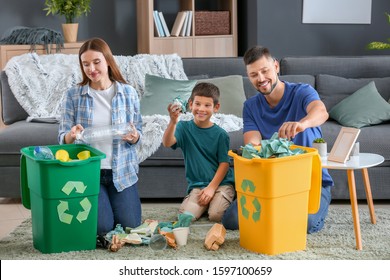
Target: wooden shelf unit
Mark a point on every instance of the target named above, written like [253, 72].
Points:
[9, 51]
[189, 46]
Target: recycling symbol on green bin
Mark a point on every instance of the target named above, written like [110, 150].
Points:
[63, 206]
[248, 185]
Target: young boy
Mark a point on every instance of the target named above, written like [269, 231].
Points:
[205, 146]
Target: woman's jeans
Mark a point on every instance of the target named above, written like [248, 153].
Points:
[315, 221]
[115, 207]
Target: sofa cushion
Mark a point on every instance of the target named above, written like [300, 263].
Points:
[232, 95]
[305, 79]
[23, 134]
[159, 92]
[11, 109]
[368, 66]
[364, 107]
[333, 89]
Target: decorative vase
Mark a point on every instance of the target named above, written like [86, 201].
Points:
[70, 32]
[322, 149]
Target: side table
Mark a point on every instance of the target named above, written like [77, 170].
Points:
[363, 162]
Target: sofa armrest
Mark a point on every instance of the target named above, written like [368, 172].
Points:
[11, 111]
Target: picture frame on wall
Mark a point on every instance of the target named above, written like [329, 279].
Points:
[344, 144]
[337, 11]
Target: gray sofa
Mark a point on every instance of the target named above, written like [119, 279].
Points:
[162, 174]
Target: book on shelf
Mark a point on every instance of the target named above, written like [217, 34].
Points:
[178, 24]
[158, 24]
[189, 25]
[184, 27]
[164, 24]
[156, 31]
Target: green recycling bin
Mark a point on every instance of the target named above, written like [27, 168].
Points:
[63, 198]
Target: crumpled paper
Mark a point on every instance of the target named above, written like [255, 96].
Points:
[138, 235]
[271, 148]
[166, 228]
[184, 220]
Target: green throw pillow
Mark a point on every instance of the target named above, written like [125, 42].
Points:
[159, 92]
[364, 107]
[232, 94]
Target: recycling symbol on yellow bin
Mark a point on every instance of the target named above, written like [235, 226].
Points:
[63, 206]
[248, 185]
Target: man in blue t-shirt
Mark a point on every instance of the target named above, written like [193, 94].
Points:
[293, 110]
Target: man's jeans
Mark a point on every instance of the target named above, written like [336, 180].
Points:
[115, 207]
[315, 221]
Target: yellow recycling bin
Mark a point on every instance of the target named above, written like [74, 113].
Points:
[274, 198]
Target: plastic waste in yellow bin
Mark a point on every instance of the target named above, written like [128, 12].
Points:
[274, 198]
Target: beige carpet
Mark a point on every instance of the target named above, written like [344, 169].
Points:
[335, 241]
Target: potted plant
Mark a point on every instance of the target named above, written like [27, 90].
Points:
[321, 146]
[70, 9]
[380, 45]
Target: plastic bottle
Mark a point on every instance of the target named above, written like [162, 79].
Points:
[180, 103]
[104, 133]
[43, 152]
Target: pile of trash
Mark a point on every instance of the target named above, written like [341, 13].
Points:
[274, 147]
[142, 235]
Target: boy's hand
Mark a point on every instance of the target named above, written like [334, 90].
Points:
[174, 111]
[206, 195]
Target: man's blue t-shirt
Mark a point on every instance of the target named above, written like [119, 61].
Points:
[259, 116]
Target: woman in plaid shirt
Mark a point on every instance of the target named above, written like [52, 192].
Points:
[104, 98]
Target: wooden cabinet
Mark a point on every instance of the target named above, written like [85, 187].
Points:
[187, 46]
[9, 51]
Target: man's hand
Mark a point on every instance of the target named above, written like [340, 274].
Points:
[290, 129]
[316, 116]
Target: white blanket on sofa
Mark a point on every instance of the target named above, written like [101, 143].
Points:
[39, 82]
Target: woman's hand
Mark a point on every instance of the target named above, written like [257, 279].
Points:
[133, 136]
[71, 136]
